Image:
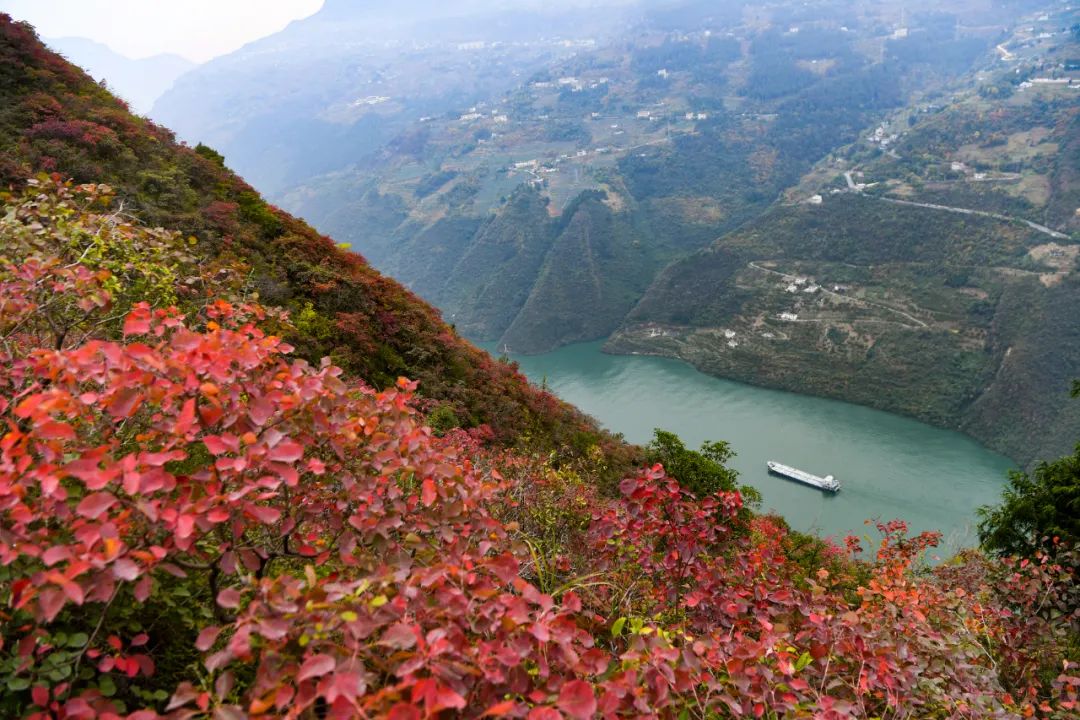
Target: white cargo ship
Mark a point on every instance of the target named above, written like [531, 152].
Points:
[827, 483]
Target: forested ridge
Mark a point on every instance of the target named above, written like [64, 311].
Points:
[55, 119]
[222, 495]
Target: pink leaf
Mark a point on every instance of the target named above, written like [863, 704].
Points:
[143, 587]
[577, 700]
[263, 513]
[206, 638]
[55, 554]
[229, 712]
[215, 444]
[74, 591]
[51, 601]
[399, 636]
[125, 569]
[229, 598]
[286, 451]
[316, 666]
[95, 504]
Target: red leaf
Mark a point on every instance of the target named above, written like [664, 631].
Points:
[124, 402]
[73, 591]
[138, 320]
[286, 451]
[504, 708]
[52, 430]
[577, 700]
[260, 410]
[264, 514]
[403, 711]
[218, 515]
[399, 636]
[428, 492]
[95, 504]
[40, 695]
[316, 666]
[185, 526]
[447, 699]
[51, 601]
[186, 418]
[215, 444]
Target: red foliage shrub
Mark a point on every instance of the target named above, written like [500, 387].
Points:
[353, 562]
[83, 131]
[223, 216]
[42, 105]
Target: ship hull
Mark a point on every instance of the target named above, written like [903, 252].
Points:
[825, 484]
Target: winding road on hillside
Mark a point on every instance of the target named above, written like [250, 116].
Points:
[965, 211]
[853, 187]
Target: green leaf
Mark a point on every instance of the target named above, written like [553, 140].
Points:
[107, 686]
[78, 640]
[617, 627]
[804, 660]
[18, 683]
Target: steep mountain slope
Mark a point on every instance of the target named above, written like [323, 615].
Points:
[140, 82]
[55, 118]
[930, 269]
[597, 267]
[494, 275]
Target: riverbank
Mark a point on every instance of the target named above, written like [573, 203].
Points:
[890, 466]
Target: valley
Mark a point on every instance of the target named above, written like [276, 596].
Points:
[638, 177]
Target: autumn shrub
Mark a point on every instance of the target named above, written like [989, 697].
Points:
[196, 524]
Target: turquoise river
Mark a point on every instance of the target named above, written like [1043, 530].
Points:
[890, 466]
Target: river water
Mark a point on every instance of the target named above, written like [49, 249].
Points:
[890, 466]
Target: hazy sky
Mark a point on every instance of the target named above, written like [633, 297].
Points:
[196, 29]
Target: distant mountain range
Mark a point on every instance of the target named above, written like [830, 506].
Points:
[139, 82]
